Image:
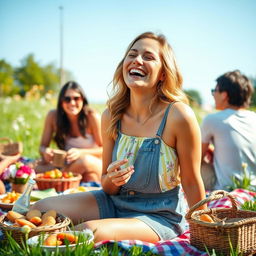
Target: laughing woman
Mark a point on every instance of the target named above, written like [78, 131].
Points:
[151, 150]
[75, 127]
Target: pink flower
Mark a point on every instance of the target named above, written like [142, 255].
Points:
[19, 173]
[25, 169]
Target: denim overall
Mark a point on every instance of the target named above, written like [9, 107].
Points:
[141, 197]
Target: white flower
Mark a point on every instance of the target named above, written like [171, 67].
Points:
[15, 126]
[13, 170]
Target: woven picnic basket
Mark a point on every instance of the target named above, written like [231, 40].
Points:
[60, 184]
[61, 225]
[231, 226]
[9, 148]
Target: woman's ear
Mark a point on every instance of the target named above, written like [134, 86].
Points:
[162, 77]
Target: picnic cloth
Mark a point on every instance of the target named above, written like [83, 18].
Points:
[181, 245]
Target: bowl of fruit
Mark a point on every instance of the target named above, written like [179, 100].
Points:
[57, 179]
[67, 240]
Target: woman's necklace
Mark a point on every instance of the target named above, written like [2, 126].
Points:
[146, 119]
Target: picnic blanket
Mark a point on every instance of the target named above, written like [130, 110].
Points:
[181, 245]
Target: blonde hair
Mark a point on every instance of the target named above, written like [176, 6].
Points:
[167, 91]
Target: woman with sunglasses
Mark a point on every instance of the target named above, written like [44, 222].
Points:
[75, 127]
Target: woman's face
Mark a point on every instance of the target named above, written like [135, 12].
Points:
[72, 103]
[142, 67]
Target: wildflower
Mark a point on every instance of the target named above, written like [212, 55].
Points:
[15, 126]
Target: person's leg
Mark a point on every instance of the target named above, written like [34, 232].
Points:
[79, 207]
[90, 167]
[120, 229]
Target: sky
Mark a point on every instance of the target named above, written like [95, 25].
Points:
[209, 37]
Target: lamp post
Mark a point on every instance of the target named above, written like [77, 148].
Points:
[61, 47]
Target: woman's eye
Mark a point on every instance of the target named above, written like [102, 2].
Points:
[131, 55]
[148, 57]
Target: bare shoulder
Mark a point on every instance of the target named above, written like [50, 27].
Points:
[105, 117]
[93, 114]
[181, 113]
[52, 115]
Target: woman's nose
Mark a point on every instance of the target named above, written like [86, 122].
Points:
[138, 59]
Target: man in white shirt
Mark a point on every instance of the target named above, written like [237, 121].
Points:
[232, 130]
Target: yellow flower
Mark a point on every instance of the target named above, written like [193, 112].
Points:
[244, 165]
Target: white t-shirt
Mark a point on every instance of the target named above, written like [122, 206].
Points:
[233, 134]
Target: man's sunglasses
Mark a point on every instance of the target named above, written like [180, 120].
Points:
[68, 99]
[213, 91]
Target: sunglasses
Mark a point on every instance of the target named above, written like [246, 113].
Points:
[68, 99]
[213, 91]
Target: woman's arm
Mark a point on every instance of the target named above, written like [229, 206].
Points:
[188, 146]
[47, 135]
[112, 175]
[7, 160]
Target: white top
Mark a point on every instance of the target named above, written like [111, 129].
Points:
[80, 142]
[233, 134]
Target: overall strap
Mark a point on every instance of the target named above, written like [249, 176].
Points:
[162, 125]
[119, 125]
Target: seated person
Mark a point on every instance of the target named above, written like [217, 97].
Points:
[5, 161]
[75, 127]
[151, 147]
[231, 131]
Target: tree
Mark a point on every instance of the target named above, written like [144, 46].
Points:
[7, 86]
[30, 73]
[194, 97]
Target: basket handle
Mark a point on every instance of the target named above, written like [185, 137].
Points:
[6, 139]
[215, 195]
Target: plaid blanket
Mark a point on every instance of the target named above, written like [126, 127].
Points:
[181, 244]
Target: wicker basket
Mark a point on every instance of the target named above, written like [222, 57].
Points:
[9, 148]
[62, 223]
[231, 225]
[59, 184]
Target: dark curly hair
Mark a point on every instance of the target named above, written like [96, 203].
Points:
[63, 124]
[238, 87]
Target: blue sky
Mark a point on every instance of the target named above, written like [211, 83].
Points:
[208, 37]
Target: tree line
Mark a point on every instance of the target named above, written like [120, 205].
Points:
[21, 79]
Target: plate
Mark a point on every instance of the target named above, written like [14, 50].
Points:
[86, 233]
[8, 206]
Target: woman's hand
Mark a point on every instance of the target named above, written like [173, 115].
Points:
[72, 155]
[117, 175]
[48, 155]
